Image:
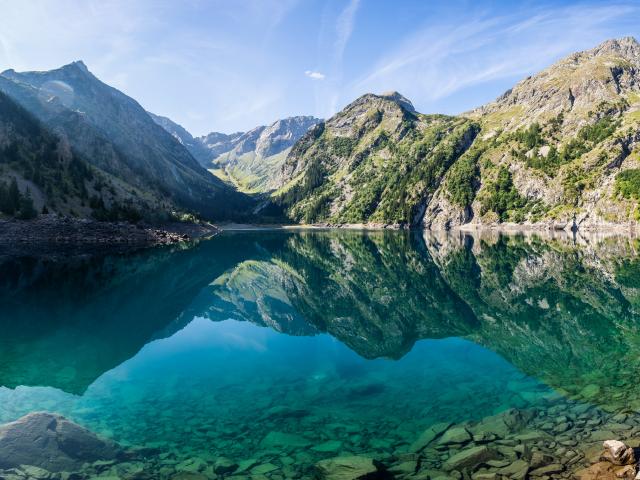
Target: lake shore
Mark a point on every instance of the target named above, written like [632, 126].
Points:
[50, 232]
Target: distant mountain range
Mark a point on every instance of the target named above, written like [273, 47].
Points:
[248, 160]
[559, 150]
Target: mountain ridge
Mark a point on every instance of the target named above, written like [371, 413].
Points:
[558, 150]
[116, 134]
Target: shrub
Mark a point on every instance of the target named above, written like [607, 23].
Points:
[501, 195]
[463, 178]
[628, 183]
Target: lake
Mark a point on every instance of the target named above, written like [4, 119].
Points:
[428, 355]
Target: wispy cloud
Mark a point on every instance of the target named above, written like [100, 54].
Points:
[344, 28]
[437, 61]
[338, 26]
[315, 75]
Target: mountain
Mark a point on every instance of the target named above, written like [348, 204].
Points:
[378, 160]
[216, 144]
[194, 146]
[252, 159]
[558, 150]
[114, 133]
[247, 160]
[40, 172]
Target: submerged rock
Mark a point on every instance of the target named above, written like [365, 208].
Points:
[469, 457]
[428, 436]
[349, 468]
[455, 435]
[282, 439]
[52, 442]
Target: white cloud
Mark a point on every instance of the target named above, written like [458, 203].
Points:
[315, 75]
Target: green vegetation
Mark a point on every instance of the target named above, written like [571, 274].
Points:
[383, 174]
[530, 140]
[530, 137]
[463, 178]
[628, 183]
[501, 197]
[15, 203]
[342, 146]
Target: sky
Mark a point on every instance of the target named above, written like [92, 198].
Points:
[230, 65]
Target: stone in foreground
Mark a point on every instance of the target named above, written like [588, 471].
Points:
[51, 442]
[469, 457]
[349, 468]
[618, 453]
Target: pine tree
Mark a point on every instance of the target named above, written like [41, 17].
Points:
[13, 197]
[27, 210]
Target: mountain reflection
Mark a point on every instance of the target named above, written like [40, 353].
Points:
[560, 310]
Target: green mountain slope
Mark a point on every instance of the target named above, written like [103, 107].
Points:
[252, 160]
[40, 172]
[378, 160]
[115, 134]
[559, 150]
[249, 161]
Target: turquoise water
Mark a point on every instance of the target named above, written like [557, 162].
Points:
[288, 348]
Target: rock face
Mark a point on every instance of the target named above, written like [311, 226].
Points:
[574, 85]
[51, 442]
[194, 146]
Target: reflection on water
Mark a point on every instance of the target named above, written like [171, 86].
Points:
[287, 348]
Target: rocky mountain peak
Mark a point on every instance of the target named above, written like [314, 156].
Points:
[80, 65]
[282, 134]
[400, 100]
[626, 46]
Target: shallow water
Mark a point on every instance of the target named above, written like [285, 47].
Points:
[286, 348]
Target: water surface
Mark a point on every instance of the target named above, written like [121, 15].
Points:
[286, 348]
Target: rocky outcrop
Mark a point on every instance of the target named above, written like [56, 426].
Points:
[573, 86]
[51, 442]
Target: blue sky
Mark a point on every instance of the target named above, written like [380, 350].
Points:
[231, 65]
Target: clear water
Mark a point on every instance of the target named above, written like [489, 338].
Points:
[348, 342]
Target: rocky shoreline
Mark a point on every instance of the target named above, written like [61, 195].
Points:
[54, 233]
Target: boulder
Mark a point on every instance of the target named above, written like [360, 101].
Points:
[470, 457]
[618, 453]
[51, 442]
[348, 468]
[455, 435]
[428, 436]
[517, 470]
